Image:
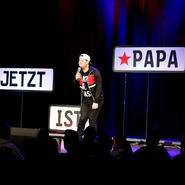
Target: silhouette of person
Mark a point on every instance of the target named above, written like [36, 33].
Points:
[71, 144]
[104, 147]
[88, 144]
[122, 149]
[8, 150]
[42, 148]
[152, 150]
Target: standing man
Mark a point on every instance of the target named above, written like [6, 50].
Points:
[90, 82]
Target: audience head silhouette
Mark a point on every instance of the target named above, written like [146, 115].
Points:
[8, 150]
[71, 140]
[152, 151]
[153, 138]
[90, 134]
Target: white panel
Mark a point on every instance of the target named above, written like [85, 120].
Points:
[31, 79]
[146, 59]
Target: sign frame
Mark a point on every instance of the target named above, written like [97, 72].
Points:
[28, 69]
[60, 131]
[143, 71]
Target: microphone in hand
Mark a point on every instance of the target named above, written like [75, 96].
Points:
[78, 75]
[79, 69]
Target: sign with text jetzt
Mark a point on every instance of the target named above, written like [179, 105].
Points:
[62, 117]
[146, 59]
[31, 79]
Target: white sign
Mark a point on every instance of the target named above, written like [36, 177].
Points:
[145, 59]
[62, 117]
[34, 79]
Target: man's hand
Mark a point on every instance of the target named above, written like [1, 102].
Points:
[77, 76]
[95, 106]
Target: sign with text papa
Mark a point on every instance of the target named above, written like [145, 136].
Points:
[62, 117]
[146, 59]
[31, 79]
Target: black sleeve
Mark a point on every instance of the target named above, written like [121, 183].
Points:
[75, 83]
[98, 80]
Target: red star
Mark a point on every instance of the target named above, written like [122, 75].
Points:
[124, 59]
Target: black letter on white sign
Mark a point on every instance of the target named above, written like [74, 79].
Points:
[149, 59]
[22, 73]
[12, 77]
[173, 59]
[41, 74]
[7, 79]
[136, 59]
[31, 78]
[159, 58]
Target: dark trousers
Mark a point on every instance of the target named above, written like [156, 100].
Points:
[86, 112]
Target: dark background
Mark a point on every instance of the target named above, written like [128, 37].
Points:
[52, 34]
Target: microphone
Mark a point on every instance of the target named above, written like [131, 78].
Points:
[79, 69]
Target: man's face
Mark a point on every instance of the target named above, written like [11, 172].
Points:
[83, 62]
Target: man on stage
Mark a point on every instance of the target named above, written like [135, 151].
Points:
[90, 82]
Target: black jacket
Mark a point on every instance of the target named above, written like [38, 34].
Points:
[91, 86]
